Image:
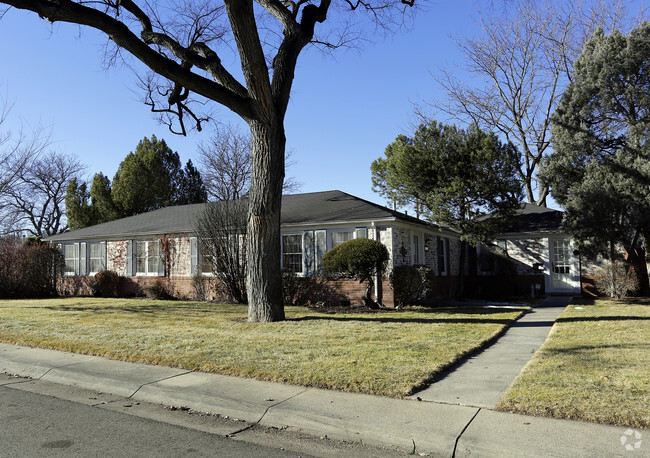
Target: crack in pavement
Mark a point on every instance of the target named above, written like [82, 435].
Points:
[267, 411]
[157, 381]
[453, 455]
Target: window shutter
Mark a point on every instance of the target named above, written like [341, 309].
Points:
[102, 253]
[361, 233]
[194, 249]
[83, 255]
[75, 253]
[321, 248]
[309, 254]
[130, 254]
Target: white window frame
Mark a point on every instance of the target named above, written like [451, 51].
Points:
[74, 258]
[356, 233]
[102, 257]
[340, 231]
[302, 251]
[146, 272]
[417, 252]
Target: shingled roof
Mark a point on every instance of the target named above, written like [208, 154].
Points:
[533, 218]
[327, 207]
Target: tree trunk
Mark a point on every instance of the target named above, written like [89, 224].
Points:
[263, 239]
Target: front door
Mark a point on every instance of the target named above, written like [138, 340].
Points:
[561, 264]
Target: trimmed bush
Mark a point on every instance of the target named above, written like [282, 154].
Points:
[409, 283]
[107, 283]
[360, 259]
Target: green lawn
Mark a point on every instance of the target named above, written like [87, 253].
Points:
[595, 366]
[387, 353]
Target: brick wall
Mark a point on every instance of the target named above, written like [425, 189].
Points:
[341, 292]
[116, 256]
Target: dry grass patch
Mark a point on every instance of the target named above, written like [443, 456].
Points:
[593, 367]
[386, 353]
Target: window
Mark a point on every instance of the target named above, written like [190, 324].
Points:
[71, 254]
[147, 258]
[416, 250]
[443, 255]
[206, 263]
[341, 237]
[96, 257]
[292, 253]
[314, 247]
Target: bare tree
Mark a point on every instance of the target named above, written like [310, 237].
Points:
[36, 200]
[221, 230]
[226, 165]
[18, 150]
[184, 44]
[520, 66]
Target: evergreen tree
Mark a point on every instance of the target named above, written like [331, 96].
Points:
[78, 209]
[148, 179]
[457, 175]
[191, 188]
[102, 200]
[600, 168]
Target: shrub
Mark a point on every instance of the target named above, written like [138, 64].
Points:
[615, 279]
[297, 290]
[201, 285]
[28, 271]
[410, 284]
[360, 259]
[159, 290]
[107, 283]
[221, 228]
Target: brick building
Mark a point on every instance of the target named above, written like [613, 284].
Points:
[162, 243]
[539, 258]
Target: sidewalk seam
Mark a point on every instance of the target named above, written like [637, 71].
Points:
[453, 455]
[157, 381]
[266, 411]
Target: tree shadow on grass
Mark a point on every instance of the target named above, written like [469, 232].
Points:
[385, 319]
[590, 348]
[148, 309]
[578, 319]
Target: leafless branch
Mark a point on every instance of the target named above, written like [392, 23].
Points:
[521, 64]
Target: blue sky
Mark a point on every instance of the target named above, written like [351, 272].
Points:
[345, 109]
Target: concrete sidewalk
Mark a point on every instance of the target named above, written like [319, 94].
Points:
[482, 379]
[434, 428]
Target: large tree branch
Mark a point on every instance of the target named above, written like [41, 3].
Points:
[295, 40]
[69, 11]
[242, 20]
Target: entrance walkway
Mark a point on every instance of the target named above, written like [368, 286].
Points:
[483, 379]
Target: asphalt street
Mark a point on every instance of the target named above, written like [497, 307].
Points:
[40, 419]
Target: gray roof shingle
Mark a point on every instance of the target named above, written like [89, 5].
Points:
[533, 218]
[297, 209]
